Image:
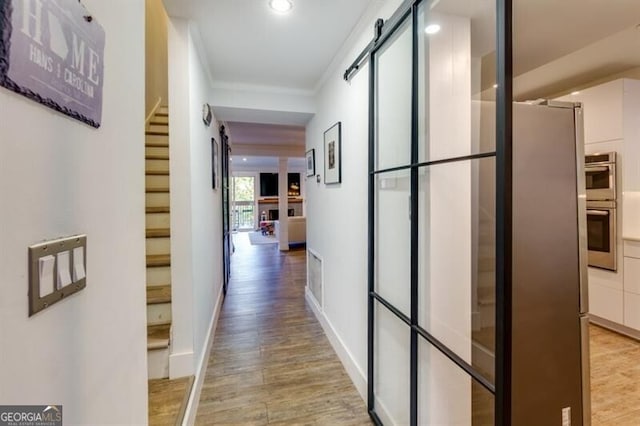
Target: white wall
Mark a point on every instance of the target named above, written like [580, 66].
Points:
[337, 214]
[196, 209]
[60, 177]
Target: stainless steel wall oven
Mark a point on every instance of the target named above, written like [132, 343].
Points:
[601, 234]
[600, 171]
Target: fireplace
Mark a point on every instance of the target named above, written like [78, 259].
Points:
[274, 214]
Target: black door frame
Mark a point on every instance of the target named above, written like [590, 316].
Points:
[501, 389]
[226, 225]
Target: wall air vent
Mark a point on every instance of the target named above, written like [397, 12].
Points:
[315, 281]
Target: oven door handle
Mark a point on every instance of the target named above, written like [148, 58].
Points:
[590, 169]
[597, 213]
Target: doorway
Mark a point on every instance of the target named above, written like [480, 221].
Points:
[244, 196]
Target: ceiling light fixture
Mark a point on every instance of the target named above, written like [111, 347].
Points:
[495, 86]
[432, 29]
[244, 159]
[575, 93]
[281, 6]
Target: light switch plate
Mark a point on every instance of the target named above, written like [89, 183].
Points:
[68, 275]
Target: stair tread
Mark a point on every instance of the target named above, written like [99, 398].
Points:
[158, 123]
[157, 172]
[156, 157]
[158, 294]
[158, 233]
[156, 190]
[158, 336]
[156, 133]
[158, 260]
[157, 144]
[158, 209]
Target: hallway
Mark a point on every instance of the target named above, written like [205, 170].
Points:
[271, 362]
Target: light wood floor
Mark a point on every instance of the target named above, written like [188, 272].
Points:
[167, 400]
[615, 379]
[271, 362]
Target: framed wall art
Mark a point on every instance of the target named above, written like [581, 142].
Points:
[214, 164]
[333, 154]
[311, 162]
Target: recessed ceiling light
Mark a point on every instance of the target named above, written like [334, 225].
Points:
[495, 86]
[281, 6]
[432, 28]
[575, 93]
[244, 159]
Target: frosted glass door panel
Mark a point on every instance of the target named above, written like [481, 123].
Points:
[447, 394]
[393, 106]
[393, 239]
[456, 113]
[457, 250]
[392, 340]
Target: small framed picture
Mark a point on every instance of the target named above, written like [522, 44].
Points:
[333, 154]
[214, 164]
[311, 162]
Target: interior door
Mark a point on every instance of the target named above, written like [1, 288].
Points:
[226, 220]
[432, 221]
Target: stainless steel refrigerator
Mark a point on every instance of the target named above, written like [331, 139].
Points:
[550, 340]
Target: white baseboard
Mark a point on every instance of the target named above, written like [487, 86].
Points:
[180, 364]
[194, 398]
[356, 375]
[158, 363]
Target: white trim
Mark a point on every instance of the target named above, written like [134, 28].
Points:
[354, 371]
[365, 22]
[180, 364]
[194, 397]
[155, 109]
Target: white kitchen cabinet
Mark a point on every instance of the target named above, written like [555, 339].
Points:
[632, 284]
[632, 310]
[632, 275]
[606, 302]
[602, 111]
[632, 249]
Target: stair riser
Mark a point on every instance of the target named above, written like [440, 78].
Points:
[158, 363]
[157, 200]
[159, 314]
[158, 220]
[158, 128]
[157, 182]
[164, 109]
[160, 119]
[155, 140]
[488, 315]
[158, 246]
[154, 150]
[157, 166]
[158, 276]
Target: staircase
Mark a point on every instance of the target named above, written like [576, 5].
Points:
[158, 244]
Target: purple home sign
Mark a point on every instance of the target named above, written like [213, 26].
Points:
[52, 51]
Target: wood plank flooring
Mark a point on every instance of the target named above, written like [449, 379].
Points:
[167, 400]
[271, 362]
[615, 379]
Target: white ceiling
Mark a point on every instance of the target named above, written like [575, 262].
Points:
[558, 45]
[248, 43]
